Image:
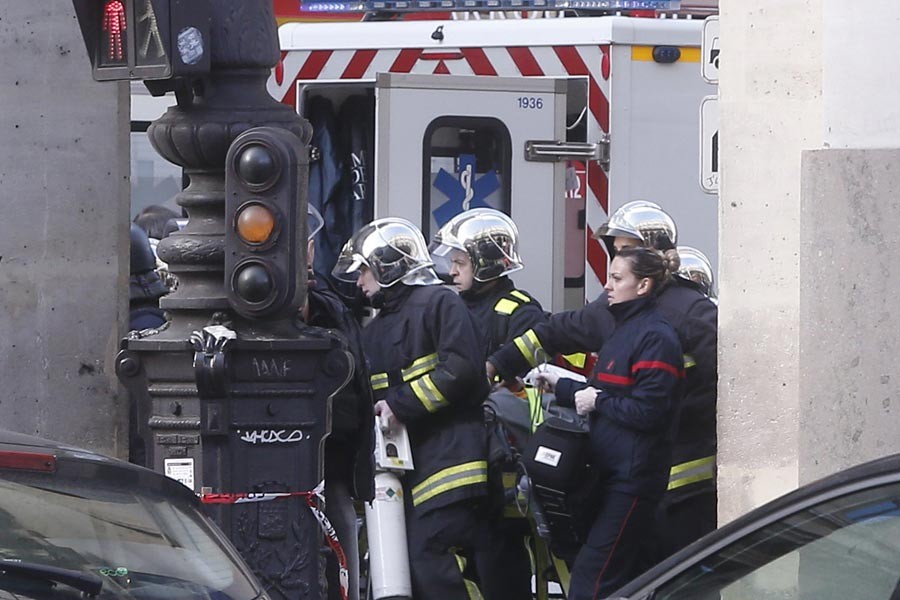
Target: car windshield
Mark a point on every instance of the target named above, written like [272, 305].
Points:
[846, 547]
[139, 542]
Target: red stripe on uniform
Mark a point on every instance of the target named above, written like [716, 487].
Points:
[406, 60]
[615, 379]
[613, 550]
[656, 364]
[598, 182]
[596, 256]
[479, 62]
[525, 61]
[358, 64]
[597, 101]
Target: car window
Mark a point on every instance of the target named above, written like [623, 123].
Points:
[141, 543]
[847, 547]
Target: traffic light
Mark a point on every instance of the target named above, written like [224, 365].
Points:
[145, 39]
[266, 172]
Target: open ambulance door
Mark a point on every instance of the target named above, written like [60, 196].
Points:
[446, 143]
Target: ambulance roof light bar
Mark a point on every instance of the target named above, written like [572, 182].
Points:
[344, 6]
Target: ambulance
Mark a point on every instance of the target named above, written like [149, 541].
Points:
[557, 121]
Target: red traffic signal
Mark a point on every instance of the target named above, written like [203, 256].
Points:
[145, 39]
[266, 174]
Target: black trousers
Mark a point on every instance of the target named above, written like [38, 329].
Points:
[682, 519]
[502, 561]
[438, 539]
[615, 549]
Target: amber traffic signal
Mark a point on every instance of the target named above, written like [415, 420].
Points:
[266, 173]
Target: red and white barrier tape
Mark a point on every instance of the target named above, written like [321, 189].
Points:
[311, 496]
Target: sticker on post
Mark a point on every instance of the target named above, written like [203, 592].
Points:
[181, 470]
[190, 45]
[547, 456]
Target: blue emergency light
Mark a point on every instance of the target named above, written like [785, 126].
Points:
[487, 5]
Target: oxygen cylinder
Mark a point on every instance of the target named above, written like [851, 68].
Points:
[386, 532]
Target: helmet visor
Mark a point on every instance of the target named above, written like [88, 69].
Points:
[314, 221]
[348, 264]
[441, 251]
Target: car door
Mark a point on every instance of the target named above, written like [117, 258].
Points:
[447, 143]
[840, 545]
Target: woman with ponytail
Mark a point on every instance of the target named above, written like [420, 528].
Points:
[631, 403]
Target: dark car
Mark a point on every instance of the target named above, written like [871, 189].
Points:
[835, 539]
[77, 524]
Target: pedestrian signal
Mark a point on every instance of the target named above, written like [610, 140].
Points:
[145, 39]
[266, 173]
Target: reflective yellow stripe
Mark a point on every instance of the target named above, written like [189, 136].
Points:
[379, 381]
[471, 589]
[645, 54]
[505, 306]
[428, 394]
[420, 366]
[448, 479]
[529, 345]
[689, 361]
[691, 472]
[535, 407]
[520, 296]
[578, 359]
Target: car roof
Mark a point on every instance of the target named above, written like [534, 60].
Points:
[876, 472]
[106, 468]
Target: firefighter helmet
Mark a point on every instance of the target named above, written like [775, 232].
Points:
[393, 248]
[643, 220]
[488, 236]
[697, 268]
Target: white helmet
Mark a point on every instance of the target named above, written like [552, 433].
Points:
[393, 248]
[488, 236]
[697, 268]
[643, 220]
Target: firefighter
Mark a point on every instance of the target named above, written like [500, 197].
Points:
[426, 374]
[631, 400]
[688, 510]
[691, 492]
[697, 268]
[479, 249]
[349, 461]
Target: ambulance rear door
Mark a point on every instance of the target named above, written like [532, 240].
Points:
[447, 143]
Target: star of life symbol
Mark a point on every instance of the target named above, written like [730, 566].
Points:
[463, 190]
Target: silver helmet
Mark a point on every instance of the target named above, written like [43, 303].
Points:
[488, 236]
[697, 268]
[642, 220]
[393, 248]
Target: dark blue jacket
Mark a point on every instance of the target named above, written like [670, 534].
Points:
[502, 313]
[694, 318]
[640, 375]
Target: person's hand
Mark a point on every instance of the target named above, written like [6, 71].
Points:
[586, 401]
[491, 371]
[387, 419]
[546, 380]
